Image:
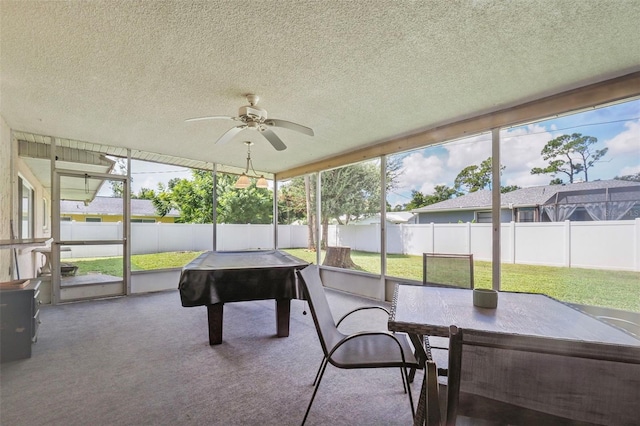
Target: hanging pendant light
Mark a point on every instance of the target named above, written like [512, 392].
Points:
[262, 183]
[244, 181]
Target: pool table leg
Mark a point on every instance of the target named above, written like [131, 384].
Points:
[283, 312]
[214, 314]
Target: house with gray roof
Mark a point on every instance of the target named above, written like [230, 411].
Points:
[582, 201]
[110, 209]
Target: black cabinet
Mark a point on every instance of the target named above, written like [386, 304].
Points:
[19, 320]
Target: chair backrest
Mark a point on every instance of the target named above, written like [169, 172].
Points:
[445, 269]
[319, 307]
[626, 320]
[584, 381]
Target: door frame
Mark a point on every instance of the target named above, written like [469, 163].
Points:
[57, 296]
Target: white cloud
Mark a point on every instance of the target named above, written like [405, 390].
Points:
[627, 142]
[631, 170]
[520, 152]
[468, 151]
[421, 173]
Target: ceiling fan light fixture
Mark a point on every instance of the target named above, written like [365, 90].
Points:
[262, 183]
[253, 117]
[243, 181]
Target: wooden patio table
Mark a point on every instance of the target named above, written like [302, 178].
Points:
[422, 310]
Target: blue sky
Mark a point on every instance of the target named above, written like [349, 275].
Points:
[616, 127]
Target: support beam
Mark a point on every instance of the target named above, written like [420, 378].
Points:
[495, 208]
[126, 229]
[214, 217]
[383, 225]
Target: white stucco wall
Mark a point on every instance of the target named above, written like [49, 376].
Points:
[5, 198]
[30, 262]
[11, 166]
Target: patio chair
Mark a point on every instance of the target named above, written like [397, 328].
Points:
[446, 270]
[530, 380]
[626, 320]
[365, 349]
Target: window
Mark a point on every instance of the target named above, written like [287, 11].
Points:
[143, 221]
[45, 214]
[65, 219]
[580, 215]
[350, 216]
[430, 195]
[93, 219]
[26, 211]
[483, 217]
[526, 215]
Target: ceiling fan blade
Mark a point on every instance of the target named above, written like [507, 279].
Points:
[273, 139]
[289, 125]
[212, 117]
[230, 134]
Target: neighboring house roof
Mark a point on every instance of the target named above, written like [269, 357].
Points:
[111, 206]
[525, 197]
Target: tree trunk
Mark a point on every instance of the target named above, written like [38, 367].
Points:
[340, 257]
[325, 233]
[310, 215]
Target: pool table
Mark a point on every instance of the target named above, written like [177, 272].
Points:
[215, 278]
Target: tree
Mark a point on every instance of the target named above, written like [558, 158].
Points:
[582, 147]
[556, 181]
[117, 186]
[145, 194]
[248, 205]
[194, 199]
[291, 203]
[632, 178]
[440, 193]
[508, 188]
[309, 204]
[418, 199]
[569, 155]
[474, 178]
[348, 193]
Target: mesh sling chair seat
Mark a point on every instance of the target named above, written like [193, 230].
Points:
[365, 349]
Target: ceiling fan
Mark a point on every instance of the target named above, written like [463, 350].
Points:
[255, 118]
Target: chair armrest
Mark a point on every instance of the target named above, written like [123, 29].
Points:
[362, 308]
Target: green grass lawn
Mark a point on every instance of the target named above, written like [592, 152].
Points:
[139, 262]
[613, 289]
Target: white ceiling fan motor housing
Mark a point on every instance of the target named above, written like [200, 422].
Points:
[252, 113]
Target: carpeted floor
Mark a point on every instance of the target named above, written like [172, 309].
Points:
[145, 360]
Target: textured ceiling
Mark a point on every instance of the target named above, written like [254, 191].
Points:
[128, 73]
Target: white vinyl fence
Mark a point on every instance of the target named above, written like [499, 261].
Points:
[165, 237]
[611, 245]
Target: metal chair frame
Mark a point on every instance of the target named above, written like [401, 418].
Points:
[332, 340]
